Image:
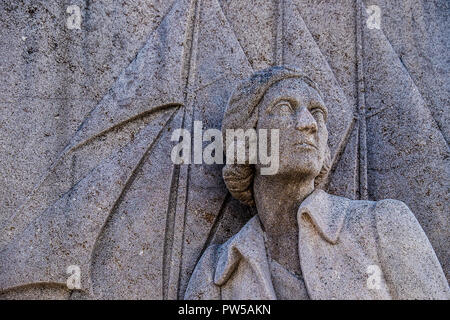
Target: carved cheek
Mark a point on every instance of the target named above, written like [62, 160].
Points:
[280, 122]
[322, 130]
[323, 136]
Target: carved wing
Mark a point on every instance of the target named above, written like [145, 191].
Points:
[99, 172]
[136, 224]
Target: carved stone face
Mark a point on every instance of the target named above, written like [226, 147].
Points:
[297, 110]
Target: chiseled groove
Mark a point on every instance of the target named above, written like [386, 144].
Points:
[169, 231]
[188, 65]
[189, 47]
[341, 149]
[120, 124]
[279, 32]
[193, 55]
[47, 284]
[215, 225]
[418, 91]
[414, 83]
[227, 196]
[180, 265]
[363, 188]
[70, 149]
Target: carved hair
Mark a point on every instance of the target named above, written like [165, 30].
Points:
[242, 113]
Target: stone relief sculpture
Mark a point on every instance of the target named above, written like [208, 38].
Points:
[305, 243]
[88, 114]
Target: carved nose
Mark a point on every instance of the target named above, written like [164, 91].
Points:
[306, 122]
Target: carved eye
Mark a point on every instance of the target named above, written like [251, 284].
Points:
[283, 107]
[318, 113]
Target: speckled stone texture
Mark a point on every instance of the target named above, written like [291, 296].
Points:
[304, 243]
[86, 118]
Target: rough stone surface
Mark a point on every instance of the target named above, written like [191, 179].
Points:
[304, 243]
[86, 118]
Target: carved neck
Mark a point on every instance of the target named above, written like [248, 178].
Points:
[277, 201]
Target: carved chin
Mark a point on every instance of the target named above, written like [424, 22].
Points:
[306, 166]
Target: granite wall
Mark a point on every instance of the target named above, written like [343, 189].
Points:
[90, 97]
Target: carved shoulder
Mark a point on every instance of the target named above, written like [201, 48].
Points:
[410, 265]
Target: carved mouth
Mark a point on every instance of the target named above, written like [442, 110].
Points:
[306, 144]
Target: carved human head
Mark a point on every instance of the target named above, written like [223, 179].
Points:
[281, 98]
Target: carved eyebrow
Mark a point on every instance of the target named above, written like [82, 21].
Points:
[291, 101]
[317, 105]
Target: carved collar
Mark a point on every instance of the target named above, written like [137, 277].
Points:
[327, 213]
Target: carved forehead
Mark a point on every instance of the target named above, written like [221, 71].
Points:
[295, 88]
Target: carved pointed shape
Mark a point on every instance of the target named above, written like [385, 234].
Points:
[153, 79]
[219, 63]
[402, 136]
[66, 233]
[128, 255]
[300, 49]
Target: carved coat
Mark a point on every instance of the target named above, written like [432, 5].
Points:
[348, 249]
